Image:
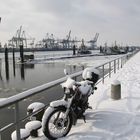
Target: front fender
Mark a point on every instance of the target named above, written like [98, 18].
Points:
[47, 113]
[58, 103]
[64, 104]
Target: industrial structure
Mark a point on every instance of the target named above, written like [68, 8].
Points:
[93, 43]
[49, 41]
[20, 38]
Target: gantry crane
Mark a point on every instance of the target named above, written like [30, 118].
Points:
[20, 38]
[94, 41]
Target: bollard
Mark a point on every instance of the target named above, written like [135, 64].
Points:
[116, 90]
[24, 134]
[34, 107]
[33, 127]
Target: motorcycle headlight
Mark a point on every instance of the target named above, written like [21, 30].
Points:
[67, 91]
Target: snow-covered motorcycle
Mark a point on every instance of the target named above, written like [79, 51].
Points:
[62, 114]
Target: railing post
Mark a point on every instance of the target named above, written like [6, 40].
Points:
[17, 120]
[121, 61]
[109, 69]
[103, 74]
[114, 66]
[118, 63]
[0, 135]
[126, 58]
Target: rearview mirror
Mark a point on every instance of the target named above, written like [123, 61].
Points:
[65, 72]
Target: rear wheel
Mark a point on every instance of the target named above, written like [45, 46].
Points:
[57, 125]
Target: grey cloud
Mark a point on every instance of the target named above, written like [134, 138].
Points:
[114, 19]
[56, 7]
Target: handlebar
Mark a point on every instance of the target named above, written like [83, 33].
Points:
[79, 83]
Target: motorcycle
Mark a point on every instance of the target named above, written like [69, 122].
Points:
[62, 114]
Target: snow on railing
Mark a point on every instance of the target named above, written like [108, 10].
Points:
[111, 66]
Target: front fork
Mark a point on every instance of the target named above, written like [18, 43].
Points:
[70, 110]
[68, 107]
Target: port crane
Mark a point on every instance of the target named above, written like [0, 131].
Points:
[65, 42]
[20, 38]
[49, 42]
[93, 42]
[68, 43]
[52, 43]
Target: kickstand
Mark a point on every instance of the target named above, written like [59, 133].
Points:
[84, 118]
[89, 107]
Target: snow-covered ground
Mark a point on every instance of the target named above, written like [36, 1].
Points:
[112, 119]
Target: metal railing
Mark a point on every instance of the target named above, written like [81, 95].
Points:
[106, 70]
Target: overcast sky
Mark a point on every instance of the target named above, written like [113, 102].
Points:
[114, 19]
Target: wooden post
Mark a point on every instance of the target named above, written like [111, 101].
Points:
[14, 72]
[6, 63]
[6, 54]
[22, 72]
[74, 50]
[22, 61]
[21, 54]
[13, 55]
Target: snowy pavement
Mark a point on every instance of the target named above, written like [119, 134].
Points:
[112, 119]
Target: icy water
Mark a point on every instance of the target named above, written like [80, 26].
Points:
[19, 77]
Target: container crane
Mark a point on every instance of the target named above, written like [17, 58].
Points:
[94, 41]
[20, 38]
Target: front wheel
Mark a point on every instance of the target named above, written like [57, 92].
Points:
[56, 124]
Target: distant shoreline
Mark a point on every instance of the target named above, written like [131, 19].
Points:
[35, 49]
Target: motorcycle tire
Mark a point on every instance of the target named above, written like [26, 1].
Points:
[58, 123]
